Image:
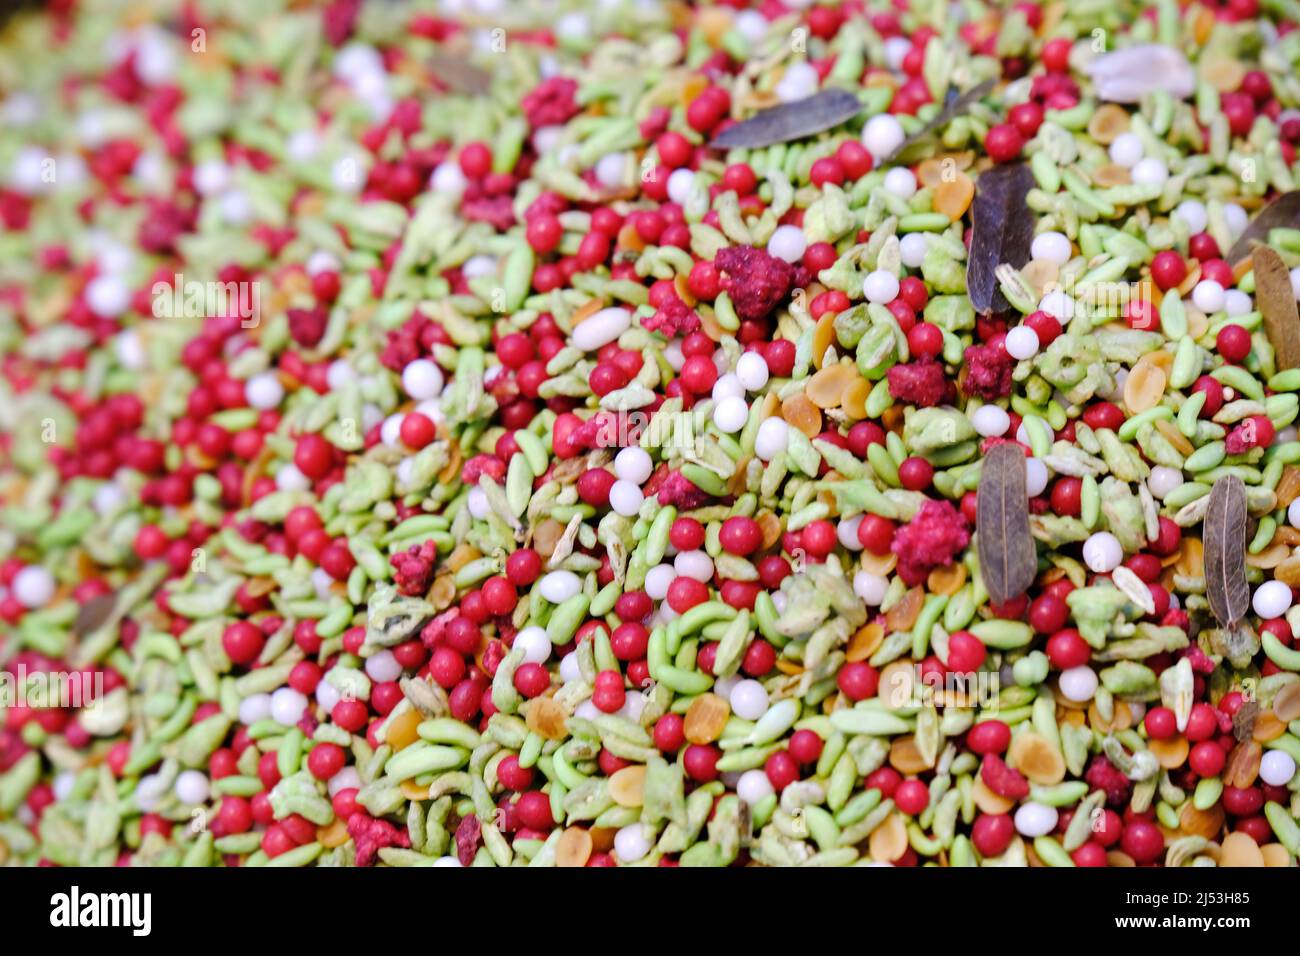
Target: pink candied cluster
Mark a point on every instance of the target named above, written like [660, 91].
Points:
[412, 340]
[673, 318]
[934, 537]
[756, 281]
[413, 568]
[372, 835]
[307, 326]
[922, 383]
[673, 488]
[1104, 775]
[1002, 779]
[988, 371]
[1255, 432]
[551, 102]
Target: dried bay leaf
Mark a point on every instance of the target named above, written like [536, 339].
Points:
[1225, 551]
[954, 105]
[459, 74]
[791, 121]
[1008, 559]
[94, 613]
[1002, 233]
[1277, 303]
[1281, 213]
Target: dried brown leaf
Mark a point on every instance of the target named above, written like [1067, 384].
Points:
[1003, 231]
[1225, 551]
[1008, 558]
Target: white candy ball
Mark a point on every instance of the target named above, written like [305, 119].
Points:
[423, 379]
[1053, 247]
[913, 248]
[632, 843]
[1102, 552]
[870, 587]
[264, 391]
[1079, 683]
[882, 135]
[1150, 172]
[287, 706]
[257, 707]
[33, 586]
[1194, 213]
[1295, 282]
[754, 787]
[846, 532]
[1208, 296]
[108, 296]
[680, 183]
[1035, 819]
[390, 433]
[633, 464]
[990, 421]
[1272, 599]
[535, 645]
[657, 580]
[749, 700]
[773, 437]
[383, 667]
[558, 586]
[477, 502]
[694, 564]
[1164, 480]
[625, 497]
[1276, 768]
[880, 287]
[728, 386]
[1035, 477]
[752, 371]
[191, 787]
[1059, 305]
[1236, 302]
[799, 82]
[327, 698]
[788, 243]
[569, 669]
[1237, 218]
[1126, 150]
[901, 182]
[1022, 342]
[731, 414]
[346, 779]
[1293, 513]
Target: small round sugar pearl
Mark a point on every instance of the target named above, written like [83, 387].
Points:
[625, 498]
[749, 700]
[257, 707]
[1236, 302]
[633, 464]
[1054, 247]
[728, 386]
[901, 182]
[1078, 683]
[870, 587]
[1276, 768]
[1035, 819]
[558, 586]
[264, 391]
[287, 706]
[787, 243]
[383, 666]
[880, 287]
[882, 135]
[1272, 599]
[1126, 150]
[990, 421]
[1208, 296]
[537, 647]
[33, 586]
[773, 437]
[1236, 217]
[191, 787]
[751, 370]
[1194, 213]
[423, 379]
[477, 502]
[1164, 480]
[694, 564]
[1035, 477]
[912, 248]
[731, 414]
[108, 296]
[1059, 305]
[1150, 172]
[1102, 552]
[846, 532]
[632, 843]
[290, 478]
[1022, 342]
[754, 787]
[680, 183]
[657, 580]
